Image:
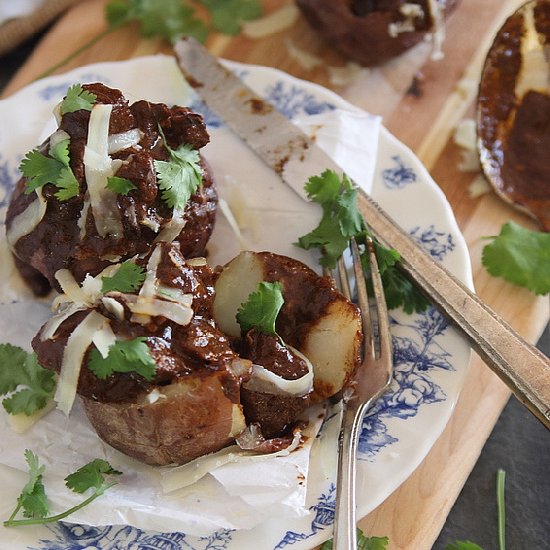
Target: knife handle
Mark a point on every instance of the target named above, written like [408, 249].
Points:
[522, 367]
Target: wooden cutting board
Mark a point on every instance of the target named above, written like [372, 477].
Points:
[414, 514]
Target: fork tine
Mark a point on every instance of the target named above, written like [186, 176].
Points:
[343, 276]
[363, 300]
[384, 338]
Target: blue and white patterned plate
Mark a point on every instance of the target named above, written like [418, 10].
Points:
[431, 358]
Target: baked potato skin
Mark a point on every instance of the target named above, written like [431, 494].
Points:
[194, 418]
[365, 37]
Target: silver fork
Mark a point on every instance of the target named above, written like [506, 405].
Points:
[373, 378]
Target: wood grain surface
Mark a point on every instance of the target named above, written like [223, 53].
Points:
[414, 514]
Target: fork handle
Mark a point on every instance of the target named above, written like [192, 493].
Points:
[520, 365]
[345, 520]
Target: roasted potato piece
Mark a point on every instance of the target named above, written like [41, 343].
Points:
[316, 318]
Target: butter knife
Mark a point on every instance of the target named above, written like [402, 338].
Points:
[288, 150]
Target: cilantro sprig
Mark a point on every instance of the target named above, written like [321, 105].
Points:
[27, 385]
[76, 99]
[180, 176]
[124, 356]
[261, 308]
[40, 169]
[520, 256]
[363, 542]
[171, 19]
[341, 220]
[227, 16]
[128, 278]
[33, 500]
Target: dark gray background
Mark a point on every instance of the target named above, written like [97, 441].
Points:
[519, 444]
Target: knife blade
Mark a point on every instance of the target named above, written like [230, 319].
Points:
[288, 150]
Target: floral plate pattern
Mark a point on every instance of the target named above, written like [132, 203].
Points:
[431, 359]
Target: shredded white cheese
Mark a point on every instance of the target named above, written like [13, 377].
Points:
[73, 356]
[438, 29]
[478, 187]
[173, 228]
[104, 338]
[113, 306]
[149, 286]
[343, 76]
[277, 21]
[176, 312]
[73, 291]
[228, 215]
[81, 223]
[50, 328]
[266, 381]
[125, 140]
[25, 222]
[97, 168]
[306, 60]
[175, 295]
[21, 422]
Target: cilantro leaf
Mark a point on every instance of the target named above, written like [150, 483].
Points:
[121, 186]
[67, 185]
[39, 169]
[128, 278]
[328, 237]
[124, 356]
[261, 309]
[363, 542]
[520, 256]
[77, 99]
[169, 19]
[180, 176]
[60, 151]
[400, 292]
[228, 15]
[462, 545]
[91, 475]
[20, 371]
[33, 496]
[12, 359]
[340, 221]
[341, 218]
